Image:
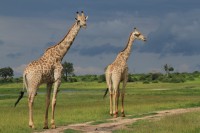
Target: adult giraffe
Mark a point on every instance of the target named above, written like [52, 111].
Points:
[117, 72]
[47, 69]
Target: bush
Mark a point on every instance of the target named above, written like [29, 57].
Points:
[72, 79]
[146, 82]
[89, 78]
[156, 76]
[155, 81]
[190, 78]
[177, 79]
[18, 80]
[101, 78]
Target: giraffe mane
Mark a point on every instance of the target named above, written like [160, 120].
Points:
[61, 40]
[127, 43]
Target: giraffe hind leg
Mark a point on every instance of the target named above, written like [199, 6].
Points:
[109, 85]
[30, 104]
[116, 82]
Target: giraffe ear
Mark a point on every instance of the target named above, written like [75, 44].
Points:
[86, 17]
[82, 13]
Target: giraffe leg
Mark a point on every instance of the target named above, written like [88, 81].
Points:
[30, 105]
[123, 92]
[49, 87]
[115, 112]
[116, 81]
[118, 94]
[111, 104]
[109, 84]
[122, 110]
[54, 104]
[57, 77]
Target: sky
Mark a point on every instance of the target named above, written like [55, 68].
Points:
[172, 29]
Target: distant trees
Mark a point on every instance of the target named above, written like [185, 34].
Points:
[168, 69]
[68, 70]
[6, 72]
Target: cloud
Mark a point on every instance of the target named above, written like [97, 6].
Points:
[1, 42]
[98, 50]
[87, 70]
[184, 68]
[177, 34]
[19, 70]
[14, 55]
[49, 44]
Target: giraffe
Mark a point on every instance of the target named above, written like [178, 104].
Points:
[117, 72]
[47, 69]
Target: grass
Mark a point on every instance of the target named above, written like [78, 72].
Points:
[71, 131]
[83, 101]
[181, 123]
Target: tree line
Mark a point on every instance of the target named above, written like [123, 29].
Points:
[7, 73]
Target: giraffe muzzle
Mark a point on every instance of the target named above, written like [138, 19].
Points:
[84, 26]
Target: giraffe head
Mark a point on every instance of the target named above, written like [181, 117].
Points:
[138, 35]
[81, 19]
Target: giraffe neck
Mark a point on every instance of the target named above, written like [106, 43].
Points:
[127, 50]
[59, 50]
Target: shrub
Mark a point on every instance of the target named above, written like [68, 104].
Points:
[72, 79]
[177, 79]
[101, 78]
[146, 82]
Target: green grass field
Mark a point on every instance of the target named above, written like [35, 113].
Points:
[83, 101]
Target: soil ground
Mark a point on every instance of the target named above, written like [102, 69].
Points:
[118, 123]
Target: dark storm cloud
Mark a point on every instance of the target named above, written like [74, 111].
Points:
[97, 50]
[177, 34]
[49, 44]
[14, 55]
[1, 42]
[101, 9]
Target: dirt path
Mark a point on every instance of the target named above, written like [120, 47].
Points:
[118, 123]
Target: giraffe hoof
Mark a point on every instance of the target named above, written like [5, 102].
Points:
[115, 115]
[45, 127]
[53, 126]
[122, 115]
[32, 126]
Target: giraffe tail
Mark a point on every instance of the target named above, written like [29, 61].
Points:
[21, 94]
[19, 98]
[105, 93]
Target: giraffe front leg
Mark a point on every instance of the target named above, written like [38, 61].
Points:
[123, 92]
[57, 77]
[115, 113]
[49, 87]
[122, 110]
[57, 84]
[118, 94]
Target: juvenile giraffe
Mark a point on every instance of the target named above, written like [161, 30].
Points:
[47, 69]
[117, 72]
